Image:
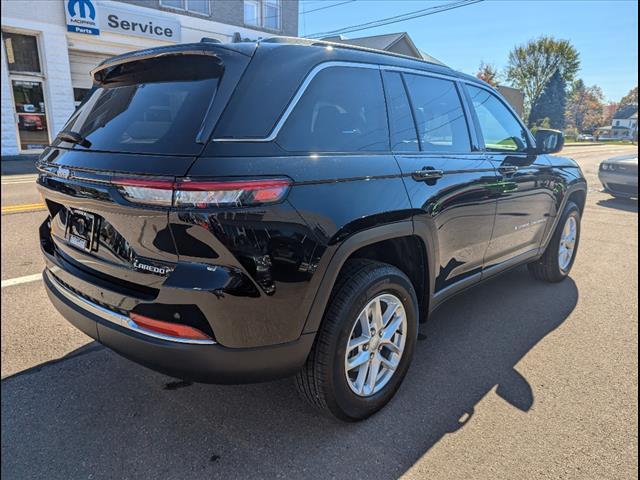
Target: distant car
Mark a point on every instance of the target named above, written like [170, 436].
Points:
[30, 122]
[619, 176]
[586, 137]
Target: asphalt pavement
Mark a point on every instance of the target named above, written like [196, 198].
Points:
[515, 379]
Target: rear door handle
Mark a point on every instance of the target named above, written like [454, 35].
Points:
[427, 173]
[508, 169]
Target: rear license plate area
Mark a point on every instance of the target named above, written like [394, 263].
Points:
[82, 230]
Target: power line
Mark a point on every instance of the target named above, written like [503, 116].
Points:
[396, 19]
[328, 6]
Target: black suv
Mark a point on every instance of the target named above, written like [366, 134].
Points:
[234, 213]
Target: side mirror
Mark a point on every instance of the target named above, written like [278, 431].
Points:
[549, 141]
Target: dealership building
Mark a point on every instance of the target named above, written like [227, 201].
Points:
[49, 47]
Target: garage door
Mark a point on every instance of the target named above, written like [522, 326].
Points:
[81, 64]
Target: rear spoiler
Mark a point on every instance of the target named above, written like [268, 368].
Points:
[100, 72]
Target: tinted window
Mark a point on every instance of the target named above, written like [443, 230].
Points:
[342, 110]
[439, 115]
[500, 129]
[148, 108]
[403, 128]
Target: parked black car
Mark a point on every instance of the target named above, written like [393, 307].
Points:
[235, 213]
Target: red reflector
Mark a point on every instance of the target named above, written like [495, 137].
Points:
[168, 328]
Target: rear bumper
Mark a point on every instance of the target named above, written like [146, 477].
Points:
[205, 362]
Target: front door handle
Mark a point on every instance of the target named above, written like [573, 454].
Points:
[427, 173]
[508, 169]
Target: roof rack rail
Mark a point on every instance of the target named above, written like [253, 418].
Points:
[317, 43]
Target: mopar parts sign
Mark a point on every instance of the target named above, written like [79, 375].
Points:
[82, 16]
[91, 17]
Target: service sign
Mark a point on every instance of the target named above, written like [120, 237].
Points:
[92, 17]
[129, 22]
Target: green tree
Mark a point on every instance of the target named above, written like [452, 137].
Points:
[488, 73]
[630, 98]
[551, 104]
[533, 64]
[585, 108]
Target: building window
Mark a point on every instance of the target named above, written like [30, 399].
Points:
[617, 123]
[22, 52]
[27, 90]
[200, 7]
[263, 13]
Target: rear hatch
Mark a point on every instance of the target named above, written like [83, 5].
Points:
[143, 124]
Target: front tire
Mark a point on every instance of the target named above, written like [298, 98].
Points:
[365, 344]
[557, 260]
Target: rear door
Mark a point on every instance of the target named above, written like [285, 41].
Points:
[526, 197]
[450, 183]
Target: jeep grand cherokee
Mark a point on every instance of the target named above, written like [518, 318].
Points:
[233, 213]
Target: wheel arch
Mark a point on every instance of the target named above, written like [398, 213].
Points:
[362, 245]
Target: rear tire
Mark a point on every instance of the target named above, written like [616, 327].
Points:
[553, 267]
[326, 381]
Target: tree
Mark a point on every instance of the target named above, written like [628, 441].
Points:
[533, 64]
[585, 108]
[630, 98]
[488, 73]
[550, 104]
[608, 111]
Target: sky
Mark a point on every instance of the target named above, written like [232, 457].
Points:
[605, 33]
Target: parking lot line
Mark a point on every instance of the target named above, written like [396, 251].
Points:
[20, 280]
[18, 179]
[25, 207]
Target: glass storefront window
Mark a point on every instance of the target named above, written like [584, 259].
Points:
[30, 112]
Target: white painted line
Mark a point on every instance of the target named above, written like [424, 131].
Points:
[20, 280]
[19, 183]
[18, 179]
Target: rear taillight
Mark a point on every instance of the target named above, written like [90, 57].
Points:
[148, 192]
[203, 194]
[168, 329]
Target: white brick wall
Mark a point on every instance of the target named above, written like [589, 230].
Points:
[9, 145]
[54, 57]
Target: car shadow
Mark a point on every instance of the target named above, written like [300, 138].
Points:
[97, 415]
[626, 204]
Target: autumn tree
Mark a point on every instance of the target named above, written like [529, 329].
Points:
[488, 73]
[532, 65]
[630, 98]
[550, 105]
[585, 107]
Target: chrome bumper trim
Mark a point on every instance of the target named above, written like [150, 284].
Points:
[115, 317]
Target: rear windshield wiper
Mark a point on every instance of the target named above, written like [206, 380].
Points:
[74, 137]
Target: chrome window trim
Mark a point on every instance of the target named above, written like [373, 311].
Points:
[115, 317]
[309, 78]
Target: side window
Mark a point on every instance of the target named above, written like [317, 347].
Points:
[342, 110]
[403, 128]
[500, 129]
[439, 115]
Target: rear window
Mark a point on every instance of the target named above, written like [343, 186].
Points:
[342, 110]
[154, 106]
